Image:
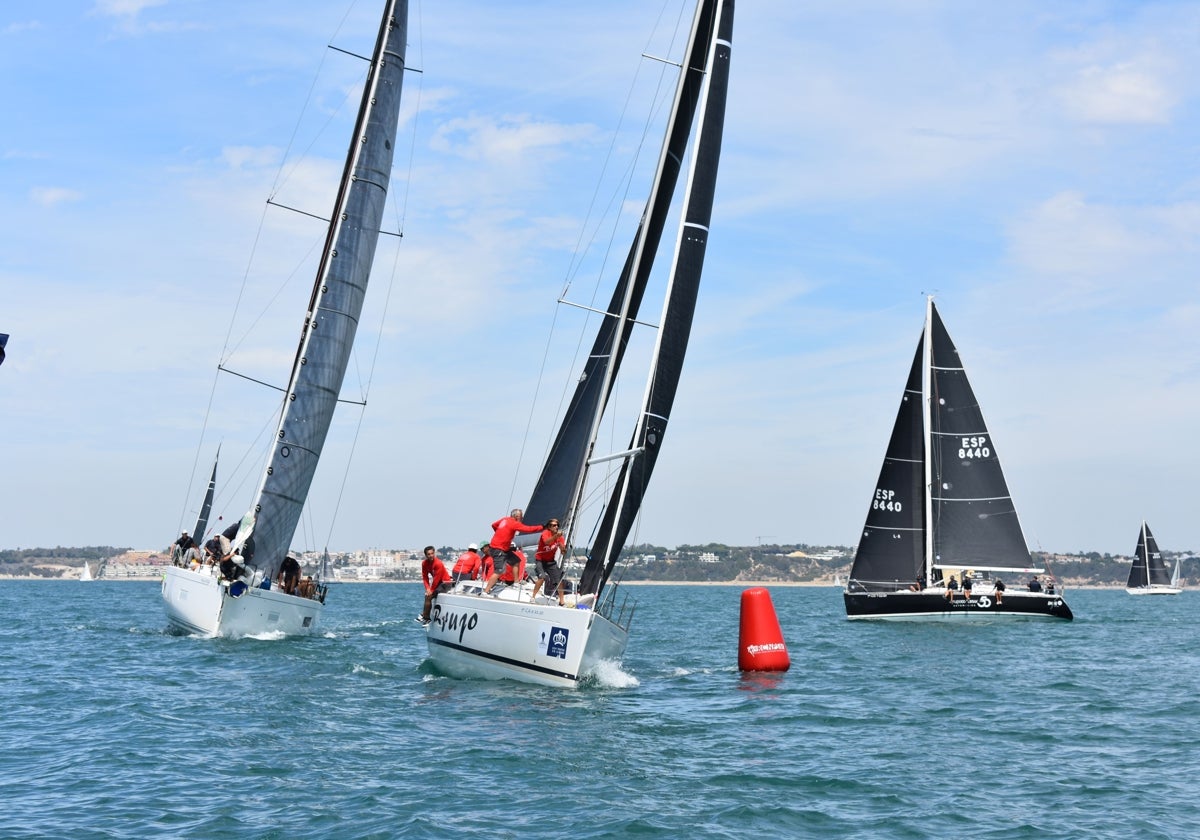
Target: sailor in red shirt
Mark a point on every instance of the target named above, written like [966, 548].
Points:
[550, 543]
[501, 546]
[507, 577]
[436, 578]
[467, 565]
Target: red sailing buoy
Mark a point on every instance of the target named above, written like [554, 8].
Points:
[760, 642]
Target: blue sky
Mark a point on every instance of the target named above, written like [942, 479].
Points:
[1035, 166]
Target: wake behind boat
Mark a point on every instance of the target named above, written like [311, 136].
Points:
[941, 515]
[1148, 575]
[239, 594]
[505, 634]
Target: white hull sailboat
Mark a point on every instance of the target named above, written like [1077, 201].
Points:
[941, 508]
[246, 600]
[504, 635]
[86, 574]
[1148, 574]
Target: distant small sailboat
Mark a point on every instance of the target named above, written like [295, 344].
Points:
[86, 574]
[1148, 574]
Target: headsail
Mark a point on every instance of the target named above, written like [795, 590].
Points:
[891, 551]
[337, 298]
[705, 74]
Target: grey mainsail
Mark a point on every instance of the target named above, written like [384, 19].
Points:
[335, 306]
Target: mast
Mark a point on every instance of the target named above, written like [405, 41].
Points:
[926, 419]
[711, 41]
[335, 305]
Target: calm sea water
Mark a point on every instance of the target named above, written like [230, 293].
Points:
[114, 728]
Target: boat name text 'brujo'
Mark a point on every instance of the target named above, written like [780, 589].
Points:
[462, 622]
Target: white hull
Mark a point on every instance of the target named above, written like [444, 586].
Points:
[474, 636]
[1154, 589]
[197, 602]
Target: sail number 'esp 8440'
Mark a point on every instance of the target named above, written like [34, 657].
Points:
[974, 447]
[886, 500]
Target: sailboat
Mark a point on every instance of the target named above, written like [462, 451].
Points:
[86, 574]
[246, 601]
[1148, 574]
[942, 509]
[506, 635]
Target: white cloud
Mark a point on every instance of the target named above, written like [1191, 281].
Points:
[1123, 92]
[1092, 244]
[53, 196]
[125, 8]
[507, 139]
[22, 26]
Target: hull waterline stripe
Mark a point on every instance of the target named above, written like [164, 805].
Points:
[504, 659]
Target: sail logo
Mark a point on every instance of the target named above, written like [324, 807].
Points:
[449, 622]
[974, 447]
[553, 641]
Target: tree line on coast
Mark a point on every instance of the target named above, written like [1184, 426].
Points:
[709, 563]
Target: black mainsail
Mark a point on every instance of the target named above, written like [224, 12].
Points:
[974, 523]
[708, 68]
[562, 476]
[337, 298]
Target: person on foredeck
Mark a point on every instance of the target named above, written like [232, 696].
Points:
[289, 575]
[550, 544]
[183, 551]
[1035, 585]
[220, 553]
[966, 585]
[467, 566]
[501, 545]
[436, 579]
